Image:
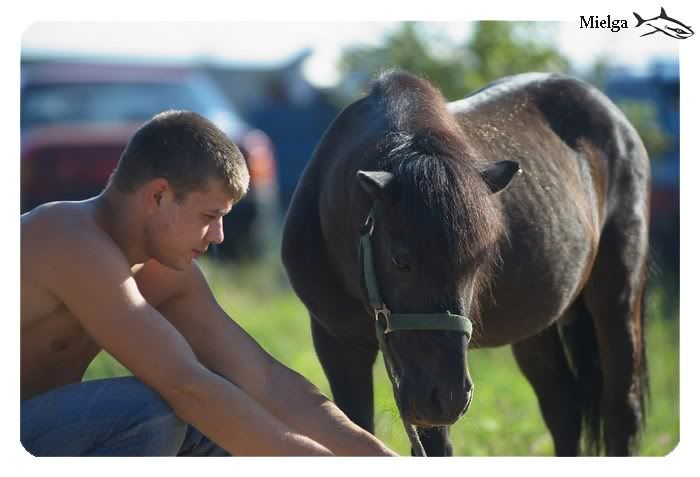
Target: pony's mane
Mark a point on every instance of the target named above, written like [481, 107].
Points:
[443, 200]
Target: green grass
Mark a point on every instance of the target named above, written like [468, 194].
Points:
[504, 418]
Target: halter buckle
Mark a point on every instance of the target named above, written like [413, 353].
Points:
[382, 311]
[385, 312]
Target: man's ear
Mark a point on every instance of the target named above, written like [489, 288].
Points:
[499, 174]
[154, 193]
[380, 185]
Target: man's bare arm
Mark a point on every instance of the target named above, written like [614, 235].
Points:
[224, 347]
[91, 277]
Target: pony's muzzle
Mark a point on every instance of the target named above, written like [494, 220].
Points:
[435, 405]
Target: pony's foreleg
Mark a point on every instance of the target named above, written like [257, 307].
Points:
[348, 367]
[543, 361]
[436, 441]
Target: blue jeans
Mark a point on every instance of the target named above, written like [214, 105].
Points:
[108, 417]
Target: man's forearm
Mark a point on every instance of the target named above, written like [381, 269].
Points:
[304, 408]
[232, 419]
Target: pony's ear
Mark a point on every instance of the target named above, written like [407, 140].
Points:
[380, 185]
[499, 174]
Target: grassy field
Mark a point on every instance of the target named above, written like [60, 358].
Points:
[504, 419]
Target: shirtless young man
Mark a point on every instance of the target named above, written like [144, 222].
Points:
[116, 272]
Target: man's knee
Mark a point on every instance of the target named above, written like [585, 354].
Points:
[116, 416]
[148, 425]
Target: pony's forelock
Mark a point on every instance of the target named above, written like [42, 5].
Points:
[443, 199]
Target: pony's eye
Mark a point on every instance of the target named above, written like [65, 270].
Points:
[400, 263]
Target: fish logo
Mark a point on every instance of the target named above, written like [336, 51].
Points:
[666, 25]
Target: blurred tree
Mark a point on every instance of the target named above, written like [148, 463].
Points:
[494, 50]
[644, 118]
[599, 72]
[501, 49]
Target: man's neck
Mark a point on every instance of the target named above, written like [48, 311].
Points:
[118, 215]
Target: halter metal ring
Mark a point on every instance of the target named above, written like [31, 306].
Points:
[385, 312]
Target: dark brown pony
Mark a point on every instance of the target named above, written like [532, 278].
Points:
[551, 261]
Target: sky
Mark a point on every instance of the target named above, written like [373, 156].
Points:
[272, 43]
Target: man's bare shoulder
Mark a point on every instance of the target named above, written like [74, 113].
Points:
[64, 232]
[50, 222]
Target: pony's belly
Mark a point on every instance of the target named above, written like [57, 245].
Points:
[508, 324]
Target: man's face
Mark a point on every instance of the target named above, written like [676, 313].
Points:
[181, 231]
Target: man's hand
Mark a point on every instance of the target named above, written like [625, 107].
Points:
[305, 408]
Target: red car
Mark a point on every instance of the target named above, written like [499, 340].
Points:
[76, 119]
